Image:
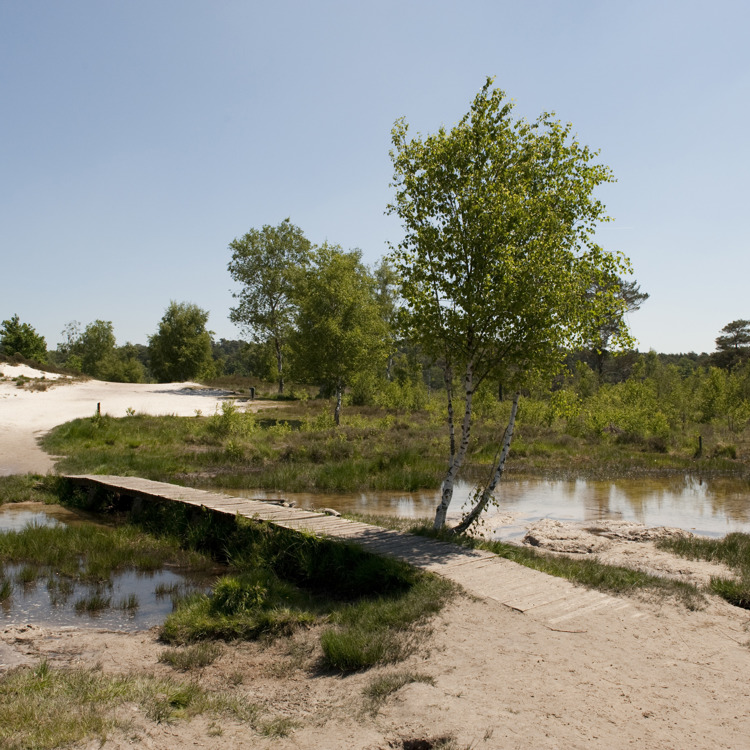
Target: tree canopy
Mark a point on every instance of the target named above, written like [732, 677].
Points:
[93, 351]
[340, 331]
[497, 257]
[733, 344]
[627, 292]
[96, 348]
[21, 338]
[267, 263]
[181, 348]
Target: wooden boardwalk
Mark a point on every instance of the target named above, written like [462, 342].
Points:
[554, 601]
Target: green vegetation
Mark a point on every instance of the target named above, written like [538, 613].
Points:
[497, 261]
[92, 553]
[648, 424]
[18, 338]
[181, 348]
[42, 707]
[340, 332]
[197, 656]
[299, 450]
[267, 263]
[244, 606]
[587, 572]
[92, 351]
[21, 488]
[93, 603]
[281, 580]
[733, 550]
[380, 631]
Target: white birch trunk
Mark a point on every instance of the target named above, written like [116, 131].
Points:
[478, 509]
[457, 455]
[279, 365]
[337, 411]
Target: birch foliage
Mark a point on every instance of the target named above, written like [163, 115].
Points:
[498, 254]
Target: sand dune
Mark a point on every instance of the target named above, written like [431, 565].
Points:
[27, 412]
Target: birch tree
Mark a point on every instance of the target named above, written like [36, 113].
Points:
[497, 258]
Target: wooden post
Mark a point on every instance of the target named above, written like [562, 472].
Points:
[98, 410]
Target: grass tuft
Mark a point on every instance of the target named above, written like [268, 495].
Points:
[92, 603]
[246, 606]
[22, 488]
[197, 656]
[378, 690]
[382, 631]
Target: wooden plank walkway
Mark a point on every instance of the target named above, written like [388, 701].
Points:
[552, 600]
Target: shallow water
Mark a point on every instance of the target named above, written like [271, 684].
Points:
[713, 507]
[50, 600]
[16, 516]
[44, 604]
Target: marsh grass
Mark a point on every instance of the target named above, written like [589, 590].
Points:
[129, 603]
[302, 450]
[60, 589]
[92, 603]
[282, 580]
[271, 610]
[21, 488]
[44, 708]
[27, 575]
[90, 553]
[299, 449]
[175, 589]
[733, 550]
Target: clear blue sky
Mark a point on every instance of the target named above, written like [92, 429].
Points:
[139, 137]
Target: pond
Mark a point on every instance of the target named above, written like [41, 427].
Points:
[711, 507]
[134, 600]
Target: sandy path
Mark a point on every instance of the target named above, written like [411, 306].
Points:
[26, 414]
[673, 679]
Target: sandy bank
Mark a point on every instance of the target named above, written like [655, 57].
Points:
[29, 410]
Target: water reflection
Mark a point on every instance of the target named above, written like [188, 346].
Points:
[52, 601]
[136, 600]
[713, 507]
[16, 516]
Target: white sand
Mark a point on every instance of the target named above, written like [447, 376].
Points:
[27, 414]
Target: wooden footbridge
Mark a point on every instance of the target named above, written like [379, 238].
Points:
[554, 601]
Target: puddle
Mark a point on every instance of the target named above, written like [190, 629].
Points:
[51, 601]
[54, 600]
[712, 507]
[15, 516]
